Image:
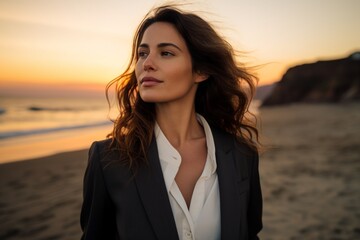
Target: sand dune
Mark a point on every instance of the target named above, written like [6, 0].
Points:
[310, 179]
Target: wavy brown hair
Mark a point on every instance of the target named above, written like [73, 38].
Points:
[223, 99]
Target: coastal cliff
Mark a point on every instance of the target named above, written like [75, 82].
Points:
[322, 81]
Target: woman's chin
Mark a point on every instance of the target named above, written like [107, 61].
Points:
[151, 99]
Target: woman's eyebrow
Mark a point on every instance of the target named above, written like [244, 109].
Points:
[169, 44]
[143, 45]
[160, 45]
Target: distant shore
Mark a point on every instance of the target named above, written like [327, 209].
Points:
[310, 179]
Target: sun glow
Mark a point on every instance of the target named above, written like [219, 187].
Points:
[67, 42]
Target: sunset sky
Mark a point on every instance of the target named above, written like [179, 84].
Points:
[86, 43]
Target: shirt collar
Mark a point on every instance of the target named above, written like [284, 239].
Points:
[170, 158]
[211, 159]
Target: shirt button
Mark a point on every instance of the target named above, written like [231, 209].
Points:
[188, 235]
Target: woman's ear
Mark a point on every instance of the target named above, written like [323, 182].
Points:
[200, 77]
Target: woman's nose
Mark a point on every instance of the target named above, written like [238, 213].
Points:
[149, 63]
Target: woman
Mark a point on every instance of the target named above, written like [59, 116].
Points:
[182, 160]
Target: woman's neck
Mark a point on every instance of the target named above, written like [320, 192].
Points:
[178, 123]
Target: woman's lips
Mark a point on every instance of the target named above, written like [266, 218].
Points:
[149, 81]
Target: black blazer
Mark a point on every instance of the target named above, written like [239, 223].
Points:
[119, 206]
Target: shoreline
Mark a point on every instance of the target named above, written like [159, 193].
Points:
[48, 157]
[41, 145]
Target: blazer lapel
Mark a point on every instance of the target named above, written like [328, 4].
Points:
[152, 190]
[229, 196]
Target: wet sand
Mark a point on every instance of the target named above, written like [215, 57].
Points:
[310, 178]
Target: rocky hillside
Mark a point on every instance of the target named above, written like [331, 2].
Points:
[323, 81]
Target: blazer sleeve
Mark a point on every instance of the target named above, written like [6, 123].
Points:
[255, 200]
[97, 213]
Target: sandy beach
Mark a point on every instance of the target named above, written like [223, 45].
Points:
[310, 174]
[41, 198]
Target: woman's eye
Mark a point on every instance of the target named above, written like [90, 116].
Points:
[142, 54]
[166, 54]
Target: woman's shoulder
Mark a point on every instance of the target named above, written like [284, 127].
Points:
[102, 150]
[102, 144]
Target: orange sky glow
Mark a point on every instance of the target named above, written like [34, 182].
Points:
[84, 44]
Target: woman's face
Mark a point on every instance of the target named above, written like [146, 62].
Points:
[164, 69]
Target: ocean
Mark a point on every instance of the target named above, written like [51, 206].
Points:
[29, 116]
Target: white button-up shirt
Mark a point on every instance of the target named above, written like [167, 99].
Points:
[202, 220]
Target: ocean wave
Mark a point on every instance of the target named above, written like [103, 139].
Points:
[11, 134]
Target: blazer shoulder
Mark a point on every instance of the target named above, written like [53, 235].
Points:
[102, 144]
[102, 152]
